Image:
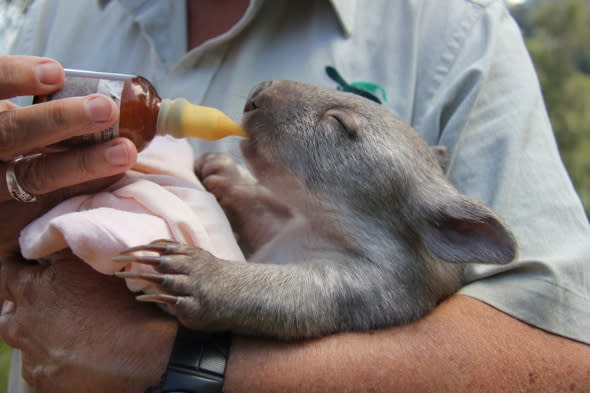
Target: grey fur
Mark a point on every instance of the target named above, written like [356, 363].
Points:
[349, 222]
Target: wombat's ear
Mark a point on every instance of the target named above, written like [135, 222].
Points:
[465, 231]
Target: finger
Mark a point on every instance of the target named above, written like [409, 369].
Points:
[15, 277]
[28, 75]
[8, 307]
[11, 331]
[21, 214]
[31, 128]
[52, 172]
[14, 281]
[6, 105]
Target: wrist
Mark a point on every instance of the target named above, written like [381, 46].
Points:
[157, 349]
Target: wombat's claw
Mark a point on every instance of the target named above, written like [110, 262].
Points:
[158, 298]
[152, 260]
[156, 278]
[164, 247]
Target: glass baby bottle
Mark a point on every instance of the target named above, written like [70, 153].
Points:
[142, 113]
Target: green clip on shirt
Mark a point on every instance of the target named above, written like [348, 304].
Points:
[456, 70]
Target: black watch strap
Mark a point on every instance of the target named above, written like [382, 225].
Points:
[197, 363]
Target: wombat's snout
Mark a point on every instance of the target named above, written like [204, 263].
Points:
[251, 102]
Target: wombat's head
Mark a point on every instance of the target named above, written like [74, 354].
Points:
[330, 141]
[344, 153]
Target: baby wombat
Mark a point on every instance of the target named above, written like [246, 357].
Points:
[349, 219]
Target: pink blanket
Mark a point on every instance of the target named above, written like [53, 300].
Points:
[160, 198]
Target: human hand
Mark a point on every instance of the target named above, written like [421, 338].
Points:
[81, 331]
[25, 130]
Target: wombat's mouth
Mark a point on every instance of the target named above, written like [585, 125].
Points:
[253, 103]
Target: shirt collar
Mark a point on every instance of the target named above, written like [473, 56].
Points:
[345, 10]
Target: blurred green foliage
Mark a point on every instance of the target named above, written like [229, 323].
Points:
[4, 366]
[557, 34]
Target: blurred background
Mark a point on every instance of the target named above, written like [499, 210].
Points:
[557, 34]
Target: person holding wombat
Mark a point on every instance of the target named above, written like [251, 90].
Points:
[446, 76]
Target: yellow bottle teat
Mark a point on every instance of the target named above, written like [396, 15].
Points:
[180, 119]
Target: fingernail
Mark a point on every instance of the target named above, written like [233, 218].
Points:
[99, 108]
[48, 73]
[117, 155]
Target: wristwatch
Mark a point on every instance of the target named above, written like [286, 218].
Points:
[197, 363]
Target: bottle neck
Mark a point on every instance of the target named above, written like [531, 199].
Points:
[169, 116]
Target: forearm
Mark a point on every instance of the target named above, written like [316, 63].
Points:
[80, 330]
[96, 338]
[146, 357]
[463, 346]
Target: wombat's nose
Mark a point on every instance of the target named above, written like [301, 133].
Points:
[251, 103]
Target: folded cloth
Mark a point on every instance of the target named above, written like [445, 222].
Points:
[160, 198]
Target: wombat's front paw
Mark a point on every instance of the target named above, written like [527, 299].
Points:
[182, 272]
[251, 208]
[232, 184]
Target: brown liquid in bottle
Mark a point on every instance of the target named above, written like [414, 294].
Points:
[142, 113]
[140, 105]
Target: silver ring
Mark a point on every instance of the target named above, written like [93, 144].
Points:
[14, 188]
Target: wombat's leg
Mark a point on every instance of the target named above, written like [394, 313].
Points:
[255, 214]
[285, 301]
